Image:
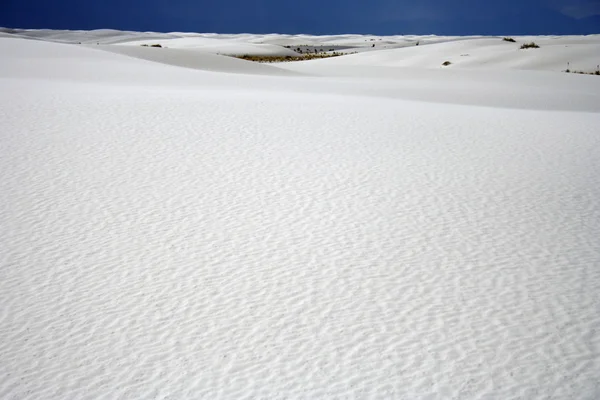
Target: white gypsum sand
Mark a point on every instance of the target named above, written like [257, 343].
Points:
[179, 224]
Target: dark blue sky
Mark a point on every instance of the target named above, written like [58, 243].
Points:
[384, 17]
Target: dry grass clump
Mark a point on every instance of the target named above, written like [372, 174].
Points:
[531, 45]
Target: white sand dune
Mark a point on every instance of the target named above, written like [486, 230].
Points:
[220, 46]
[191, 58]
[523, 90]
[87, 64]
[180, 224]
[489, 54]
[98, 36]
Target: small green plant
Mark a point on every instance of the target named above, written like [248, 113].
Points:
[446, 63]
[509, 39]
[531, 45]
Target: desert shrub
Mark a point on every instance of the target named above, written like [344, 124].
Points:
[531, 45]
[509, 39]
[155, 45]
[446, 63]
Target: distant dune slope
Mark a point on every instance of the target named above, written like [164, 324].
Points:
[554, 54]
[190, 58]
[143, 66]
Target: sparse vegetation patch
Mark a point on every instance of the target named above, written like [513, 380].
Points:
[531, 45]
[571, 71]
[509, 39]
[273, 59]
[596, 72]
[446, 63]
